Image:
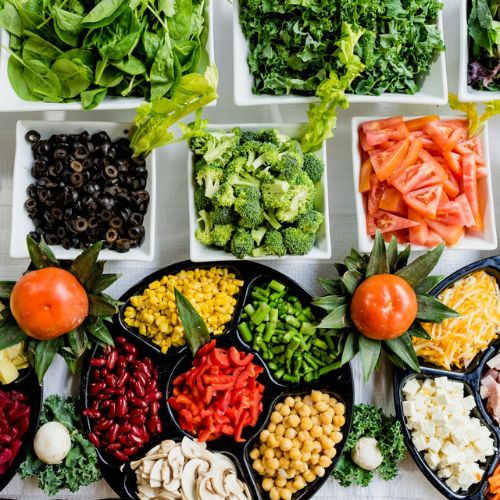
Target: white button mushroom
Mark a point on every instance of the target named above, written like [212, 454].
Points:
[366, 453]
[52, 443]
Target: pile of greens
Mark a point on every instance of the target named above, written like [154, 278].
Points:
[484, 51]
[370, 421]
[292, 43]
[79, 467]
[70, 50]
[255, 193]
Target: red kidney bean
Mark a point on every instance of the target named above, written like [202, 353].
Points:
[141, 378]
[110, 380]
[130, 451]
[92, 437]
[96, 404]
[103, 424]
[120, 340]
[92, 413]
[102, 395]
[138, 419]
[154, 408]
[98, 361]
[105, 404]
[120, 456]
[113, 447]
[136, 439]
[148, 363]
[152, 424]
[139, 389]
[125, 428]
[121, 406]
[139, 430]
[112, 409]
[112, 434]
[4, 439]
[129, 357]
[104, 372]
[120, 382]
[124, 440]
[138, 403]
[96, 388]
[130, 348]
[96, 374]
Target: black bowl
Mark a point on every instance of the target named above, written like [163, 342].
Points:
[177, 360]
[27, 384]
[471, 377]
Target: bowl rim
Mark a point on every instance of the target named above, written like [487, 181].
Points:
[365, 243]
[250, 99]
[17, 247]
[206, 254]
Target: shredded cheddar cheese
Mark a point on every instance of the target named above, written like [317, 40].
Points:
[455, 342]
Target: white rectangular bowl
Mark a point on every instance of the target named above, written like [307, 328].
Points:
[433, 91]
[9, 101]
[22, 224]
[472, 240]
[322, 247]
[465, 92]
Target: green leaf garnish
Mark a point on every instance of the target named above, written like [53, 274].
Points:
[369, 351]
[415, 272]
[432, 310]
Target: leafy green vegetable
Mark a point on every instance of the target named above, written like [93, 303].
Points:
[67, 50]
[153, 119]
[79, 468]
[292, 43]
[370, 421]
[484, 51]
[476, 121]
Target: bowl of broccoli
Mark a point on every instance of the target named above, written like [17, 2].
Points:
[254, 194]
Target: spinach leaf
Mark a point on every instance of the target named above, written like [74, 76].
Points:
[41, 80]
[179, 25]
[68, 25]
[10, 20]
[131, 66]
[165, 69]
[92, 98]
[104, 13]
[74, 77]
[35, 47]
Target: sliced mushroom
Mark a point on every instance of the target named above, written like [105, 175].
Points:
[176, 460]
[155, 476]
[205, 490]
[192, 470]
[234, 485]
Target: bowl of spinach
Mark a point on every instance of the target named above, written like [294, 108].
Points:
[479, 78]
[113, 54]
[283, 49]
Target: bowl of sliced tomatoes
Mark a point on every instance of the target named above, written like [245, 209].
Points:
[424, 181]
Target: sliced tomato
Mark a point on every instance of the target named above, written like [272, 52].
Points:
[401, 236]
[452, 161]
[364, 176]
[450, 213]
[425, 201]
[458, 135]
[450, 185]
[440, 134]
[471, 146]
[481, 171]
[392, 201]
[430, 145]
[468, 216]
[469, 181]
[388, 129]
[362, 140]
[385, 222]
[444, 198]
[418, 176]
[385, 161]
[419, 123]
[433, 239]
[457, 123]
[418, 234]
[376, 192]
[450, 234]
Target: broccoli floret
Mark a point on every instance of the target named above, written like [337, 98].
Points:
[310, 221]
[242, 179]
[248, 135]
[199, 164]
[297, 242]
[204, 232]
[288, 167]
[268, 155]
[295, 202]
[225, 196]
[247, 192]
[201, 202]
[273, 245]
[216, 148]
[249, 151]
[292, 147]
[271, 218]
[313, 166]
[304, 180]
[221, 234]
[242, 243]
[258, 234]
[272, 135]
[223, 215]
[211, 177]
[273, 192]
[250, 212]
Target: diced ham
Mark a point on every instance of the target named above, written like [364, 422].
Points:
[494, 362]
[494, 400]
[484, 391]
[492, 373]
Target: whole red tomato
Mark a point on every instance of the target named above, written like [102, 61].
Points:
[48, 303]
[383, 307]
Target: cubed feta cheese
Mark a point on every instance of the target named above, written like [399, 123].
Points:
[409, 408]
[420, 442]
[434, 444]
[432, 459]
[411, 387]
[469, 403]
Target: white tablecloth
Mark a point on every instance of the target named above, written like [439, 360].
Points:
[173, 245]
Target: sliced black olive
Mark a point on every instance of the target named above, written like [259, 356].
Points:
[106, 215]
[136, 232]
[43, 194]
[93, 222]
[57, 213]
[60, 154]
[81, 224]
[136, 218]
[111, 171]
[66, 243]
[116, 223]
[122, 245]
[86, 163]
[76, 179]
[30, 205]
[32, 136]
[111, 235]
[76, 166]
[49, 218]
[61, 232]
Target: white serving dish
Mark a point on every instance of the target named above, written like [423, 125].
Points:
[322, 247]
[9, 101]
[433, 91]
[22, 224]
[465, 92]
[472, 240]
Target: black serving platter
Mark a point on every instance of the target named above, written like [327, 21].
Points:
[471, 377]
[27, 384]
[338, 383]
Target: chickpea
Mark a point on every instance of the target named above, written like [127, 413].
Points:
[321, 406]
[291, 487]
[299, 482]
[326, 443]
[285, 494]
[291, 473]
[319, 471]
[272, 463]
[280, 482]
[267, 484]
[326, 417]
[294, 454]
[298, 399]
[339, 409]
[306, 456]
[303, 436]
[273, 442]
[306, 424]
[274, 494]
[290, 433]
[296, 464]
[317, 446]
[286, 444]
[308, 400]
[299, 405]
[308, 446]
[316, 431]
[305, 411]
[279, 406]
[284, 462]
[336, 437]
[330, 453]
[290, 402]
[328, 429]
[324, 461]
[271, 428]
[280, 430]
[278, 453]
[269, 473]
[264, 435]
[276, 417]
[284, 411]
[309, 476]
[281, 473]
[254, 454]
[316, 396]
[338, 420]
[314, 460]
[296, 443]
[269, 453]
[258, 466]
[292, 421]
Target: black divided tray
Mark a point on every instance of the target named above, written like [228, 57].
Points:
[27, 384]
[471, 377]
[177, 360]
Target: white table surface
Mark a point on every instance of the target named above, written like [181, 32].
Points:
[172, 234]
